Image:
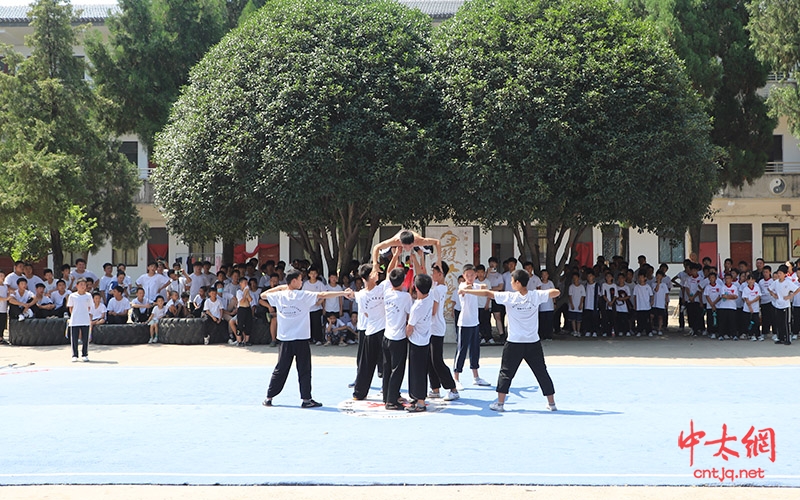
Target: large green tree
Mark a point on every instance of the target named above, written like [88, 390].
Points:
[572, 114]
[65, 185]
[314, 117]
[151, 46]
[775, 32]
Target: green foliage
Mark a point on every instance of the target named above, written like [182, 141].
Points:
[62, 176]
[775, 32]
[151, 46]
[712, 38]
[316, 111]
[572, 113]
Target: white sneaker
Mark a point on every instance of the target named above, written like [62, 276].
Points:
[21, 317]
[650, 334]
[434, 395]
[459, 386]
[713, 336]
[231, 341]
[588, 334]
[753, 338]
[605, 334]
[660, 333]
[74, 359]
[318, 343]
[638, 334]
[451, 396]
[351, 342]
[552, 407]
[85, 359]
[628, 334]
[576, 334]
[150, 341]
[594, 334]
[491, 342]
[761, 338]
[774, 337]
[479, 381]
[496, 407]
[794, 337]
[206, 339]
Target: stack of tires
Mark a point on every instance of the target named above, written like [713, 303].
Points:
[38, 332]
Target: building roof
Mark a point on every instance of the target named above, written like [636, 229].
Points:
[18, 14]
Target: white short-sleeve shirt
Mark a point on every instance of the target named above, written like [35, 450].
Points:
[397, 305]
[420, 318]
[438, 324]
[292, 307]
[81, 305]
[469, 308]
[523, 314]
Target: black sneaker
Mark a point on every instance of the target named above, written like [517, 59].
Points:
[266, 402]
[393, 406]
[273, 344]
[247, 344]
[3, 342]
[310, 404]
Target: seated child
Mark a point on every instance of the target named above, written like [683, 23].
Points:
[334, 329]
[159, 311]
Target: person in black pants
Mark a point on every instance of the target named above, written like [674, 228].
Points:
[294, 330]
[522, 308]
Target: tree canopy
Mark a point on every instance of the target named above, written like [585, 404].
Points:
[572, 113]
[65, 185]
[151, 46]
[775, 32]
[712, 38]
[314, 117]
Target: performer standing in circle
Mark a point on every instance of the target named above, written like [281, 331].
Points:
[522, 310]
[294, 330]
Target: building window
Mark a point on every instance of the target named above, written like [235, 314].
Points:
[775, 241]
[671, 250]
[129, 257]
[131, 151]
[503, 243]
[71, 257]
[776, 154]
[615, 242]
[203, 251]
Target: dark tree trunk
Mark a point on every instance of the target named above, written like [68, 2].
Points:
[227, 252]
[57, 249]
[694, 239]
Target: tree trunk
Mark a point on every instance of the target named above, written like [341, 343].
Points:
[694, 241]
[227, 252]
[57, 249]
[310, 245]
[555, 237]
[351, 220]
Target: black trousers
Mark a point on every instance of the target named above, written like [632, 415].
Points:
[287, 351]
[368, 359]
[546, 324]
[74, 333]
[782, 325]
[139, 317]
[695, 312]
[485, 323]
[767, 318]
[244, 320]
[726, 319]
[113, 319]
[608, 320]
[643, 321]
[513, 354]
[418, 356]
[681, 315]
[712, 322]
[438, 372]
[316, 326]
[795, 320]
[752, 324]
[395, 353]
[622, 325]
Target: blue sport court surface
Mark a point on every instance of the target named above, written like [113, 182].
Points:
[616, 425]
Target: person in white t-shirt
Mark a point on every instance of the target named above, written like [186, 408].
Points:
[314, 284]
[643, 301]
[397, 305]
[33, 280]
[49, 282]
[118, 307]
[152, 282]
[334, 305]
[438, 372]
[496, 284]
[622, 302]
[468, 338]
[522, 310]
[726, 308]
[80, 271]
[10, 280]
[293, 306]
[484, 307]
[80, 319]
[158, 312]
[44, 307]
[546, 309]
[577, 298]
[22, 300]
[106, 280]
[418, 332]
[783, 291]
[335, 330]
[711, 296]
[98, 310]
[751, 297]
[660, 302]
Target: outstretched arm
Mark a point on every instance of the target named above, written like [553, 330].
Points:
[329, 295]
[279, 288]
[479, 293]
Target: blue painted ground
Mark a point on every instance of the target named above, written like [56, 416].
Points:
[617, 425]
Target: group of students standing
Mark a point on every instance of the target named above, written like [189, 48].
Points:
[740, 304]
[401, 326]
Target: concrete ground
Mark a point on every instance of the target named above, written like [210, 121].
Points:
[671, 349]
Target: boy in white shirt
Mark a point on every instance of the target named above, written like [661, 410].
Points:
[118, 307]
[590, 313]
[98, 310]
[333, 305]
[711, 296]
[141, 307]
[397, 305]
[158, 312]
[523, 338]
[80, 271]
[49, 282]
[726, 309]
[22, 300]
[44, 307]
[660, 302]
[783, 291]
[293, 306]
[546, 309]
[622, 302]
[484, 307]
[577, 298]
[468, 336]
[10, 280]
[751, 296]
[59, 298]
[314, 284]
[106, 280]
[767, 310]
[418, 332]
[438, 372]
[643, 300]
[80, 319]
